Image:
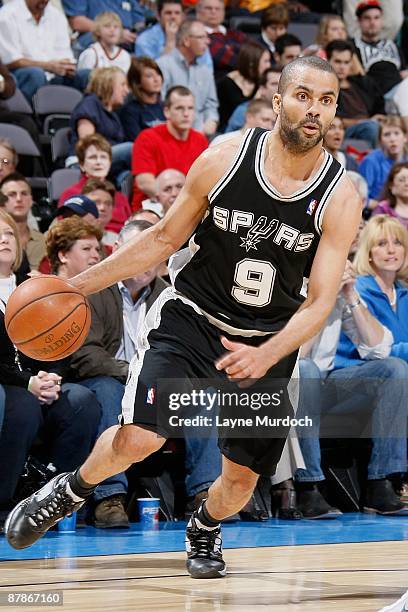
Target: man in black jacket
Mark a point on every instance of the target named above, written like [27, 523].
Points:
[102, 363]
[360, 102]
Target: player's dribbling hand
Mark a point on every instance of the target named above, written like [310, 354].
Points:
[242, 362]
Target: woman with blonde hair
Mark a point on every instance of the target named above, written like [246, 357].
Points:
[105, 51]
[381, 263]
[96, 113]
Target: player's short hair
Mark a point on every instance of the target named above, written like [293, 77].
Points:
[339, 45]
[289, 71]
[255, 106]
[7, 218]
[177, 89]
[103, 19]
[94, 183]
[97, 140]
[374, 230]
[15, 177]
[277, 14]
[64, 234]
[135, 74]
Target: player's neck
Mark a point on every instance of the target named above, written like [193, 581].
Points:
[305, 161]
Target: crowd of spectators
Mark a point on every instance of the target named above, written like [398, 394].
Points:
[157, 87]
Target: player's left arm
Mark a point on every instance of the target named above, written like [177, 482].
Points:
[340, 224]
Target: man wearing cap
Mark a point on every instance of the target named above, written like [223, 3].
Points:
[393, 14]
[381, 58]
[79, 205]
[18, 204]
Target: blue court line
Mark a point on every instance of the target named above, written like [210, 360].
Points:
[169, 537]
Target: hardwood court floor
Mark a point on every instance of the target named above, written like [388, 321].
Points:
[352, 577]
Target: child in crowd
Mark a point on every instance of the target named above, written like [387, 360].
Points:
[105, 52]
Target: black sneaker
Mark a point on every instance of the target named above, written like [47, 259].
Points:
[33, 516]
[382, 499]
[204, 550]
[312, 505]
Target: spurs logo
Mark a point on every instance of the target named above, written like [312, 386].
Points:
[261, 230]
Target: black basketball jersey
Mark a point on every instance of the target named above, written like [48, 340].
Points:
[246, 264]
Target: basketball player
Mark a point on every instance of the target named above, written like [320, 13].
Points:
[279, 207]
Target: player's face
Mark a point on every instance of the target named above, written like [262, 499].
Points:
[388, 254]
[104, 204]
[19, 200]
[334, 135]
[6, 162]
[96, 163]
[306, 109]
[180, 112]
[8, 248]
[81, 256]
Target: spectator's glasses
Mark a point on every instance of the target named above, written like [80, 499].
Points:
[4, 161]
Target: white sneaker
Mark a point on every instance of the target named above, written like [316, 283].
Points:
[399, 606]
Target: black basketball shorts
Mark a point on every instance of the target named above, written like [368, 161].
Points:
[178, 343]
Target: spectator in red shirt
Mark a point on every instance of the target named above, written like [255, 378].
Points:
[95, 156]
[173, 144]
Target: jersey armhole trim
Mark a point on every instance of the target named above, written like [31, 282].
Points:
[321, 209]
[236, 162]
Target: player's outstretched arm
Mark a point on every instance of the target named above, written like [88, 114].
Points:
[157, 243]
[340, 225]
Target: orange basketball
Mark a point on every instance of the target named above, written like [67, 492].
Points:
[46, 318]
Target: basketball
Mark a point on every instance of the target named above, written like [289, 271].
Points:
[46, 318]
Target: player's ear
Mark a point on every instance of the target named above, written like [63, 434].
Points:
[277, 103]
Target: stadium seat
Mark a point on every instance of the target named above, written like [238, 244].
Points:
[306, 32]
[18, 104]
[60, 180]
[60, 144]
[53, 105]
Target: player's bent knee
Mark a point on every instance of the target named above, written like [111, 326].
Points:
[136, 443]
[240, 483]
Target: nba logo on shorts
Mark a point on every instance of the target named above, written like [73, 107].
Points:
[150, 396]
[311, 207]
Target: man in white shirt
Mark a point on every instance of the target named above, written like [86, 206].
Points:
[35, 46]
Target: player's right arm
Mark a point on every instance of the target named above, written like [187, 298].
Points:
[158, 243]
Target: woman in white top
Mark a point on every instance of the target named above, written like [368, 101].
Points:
[105, 51]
